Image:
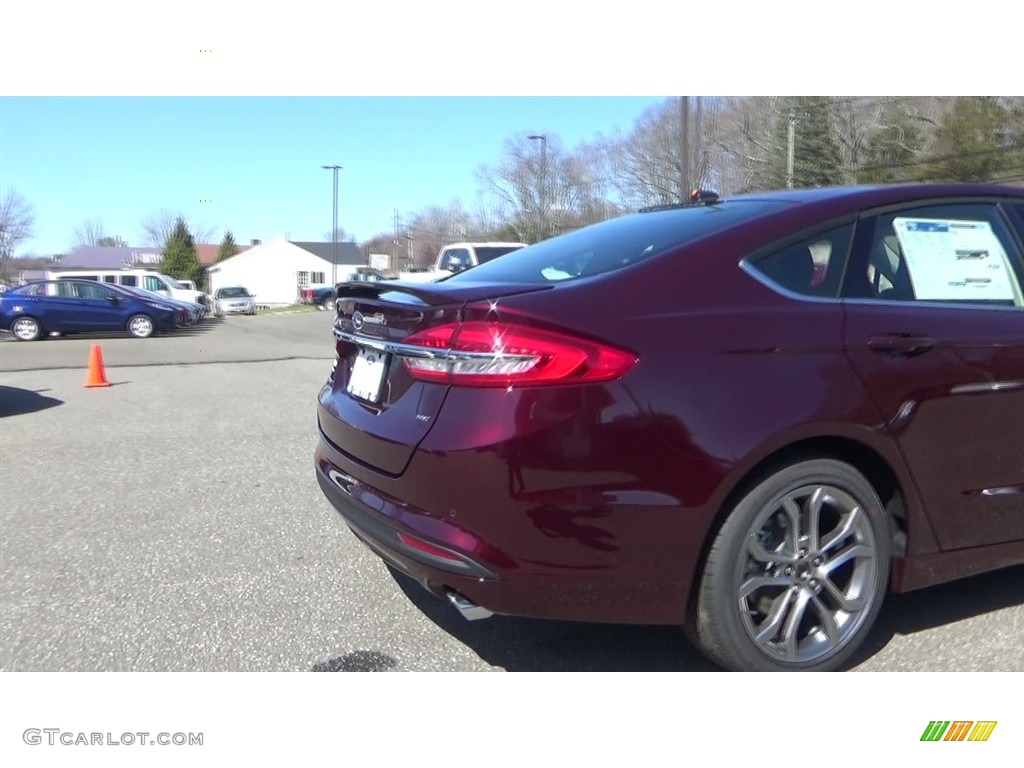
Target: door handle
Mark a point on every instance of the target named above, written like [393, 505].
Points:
[901, 344]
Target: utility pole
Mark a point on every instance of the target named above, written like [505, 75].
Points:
[699, 144]
[791, 151]
[684, 148]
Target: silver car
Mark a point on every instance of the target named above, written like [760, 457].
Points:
[234, 300]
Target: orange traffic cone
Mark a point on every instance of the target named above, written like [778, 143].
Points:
[96, 377]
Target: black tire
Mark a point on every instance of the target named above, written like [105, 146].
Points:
[774, 600]
[140, 326]
[26, 328]
[327, 305]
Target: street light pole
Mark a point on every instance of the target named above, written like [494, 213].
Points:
[542, 224]
[334, 228]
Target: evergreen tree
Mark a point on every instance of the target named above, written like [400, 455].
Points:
[228, 247]
[180, 259]
[977, 138]
[816, 158]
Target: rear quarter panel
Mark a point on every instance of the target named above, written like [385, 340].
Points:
[730, 372]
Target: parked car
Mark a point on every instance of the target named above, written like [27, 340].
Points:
[666, 418]
[322, 296]
[36, 309]
[233, 300]
[194, 313]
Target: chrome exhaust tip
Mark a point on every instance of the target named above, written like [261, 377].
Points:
[470, 611]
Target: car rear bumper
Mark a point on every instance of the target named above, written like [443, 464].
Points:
[463, 567]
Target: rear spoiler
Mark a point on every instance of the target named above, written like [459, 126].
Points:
[432, 294]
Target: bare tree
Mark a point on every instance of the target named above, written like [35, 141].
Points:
[158, 226]
[93, 232]
[647, 165]
[17, 224]
[343, 236]
[434, 227]
[538, 187]
[743, 142]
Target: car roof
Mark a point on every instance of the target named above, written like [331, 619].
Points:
[795, 209]
[865, 196]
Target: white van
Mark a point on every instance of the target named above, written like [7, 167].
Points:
[147, 279]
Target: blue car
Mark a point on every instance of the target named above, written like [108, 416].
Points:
[37, 309]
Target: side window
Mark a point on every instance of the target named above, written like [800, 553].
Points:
[129, 280]
[959, 254]
[1016, 211]
[810, 267]
[110, 278]
[152, 283]
[91, 291]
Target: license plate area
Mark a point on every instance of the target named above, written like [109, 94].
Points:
[368, 372]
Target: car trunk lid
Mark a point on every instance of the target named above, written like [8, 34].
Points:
[372, 408]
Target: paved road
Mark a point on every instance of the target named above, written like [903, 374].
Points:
[126, 545]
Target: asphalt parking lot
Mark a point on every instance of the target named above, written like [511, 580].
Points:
[172, 522]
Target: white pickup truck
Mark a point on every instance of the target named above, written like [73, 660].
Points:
[459, 257]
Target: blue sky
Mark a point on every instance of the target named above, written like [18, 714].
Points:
[258, 159]
[122, 153]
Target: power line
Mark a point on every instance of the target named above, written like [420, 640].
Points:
[941, 158]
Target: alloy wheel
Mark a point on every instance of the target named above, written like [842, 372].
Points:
[808, 577]
[25, 329]
[140, 326]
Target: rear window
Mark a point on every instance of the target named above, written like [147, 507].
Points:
[615, 244]
[490, 253]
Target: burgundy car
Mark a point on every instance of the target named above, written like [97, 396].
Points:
[749, 417]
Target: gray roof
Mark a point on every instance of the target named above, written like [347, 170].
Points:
[348, 253]
[108, 257]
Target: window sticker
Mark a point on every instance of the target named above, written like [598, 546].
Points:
[953, 260]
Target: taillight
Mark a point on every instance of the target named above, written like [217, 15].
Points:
[423, 546]
[484, 354]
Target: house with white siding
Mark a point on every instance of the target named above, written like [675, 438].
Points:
[275, 271]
